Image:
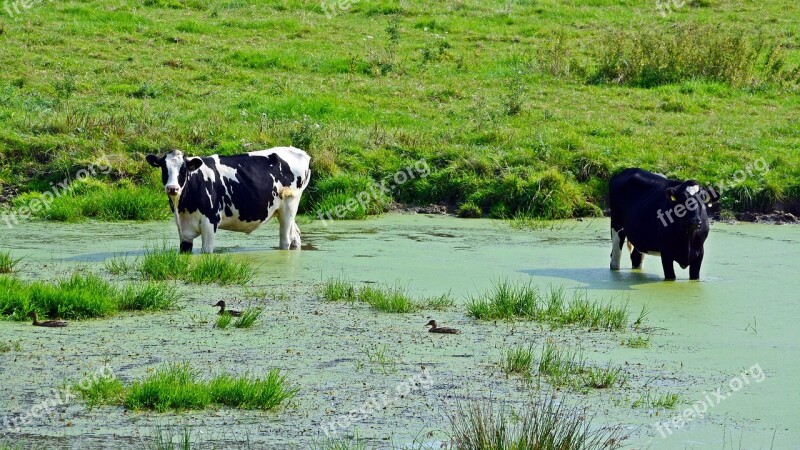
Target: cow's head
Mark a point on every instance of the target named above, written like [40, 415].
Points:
[688, 203]
[175, 169]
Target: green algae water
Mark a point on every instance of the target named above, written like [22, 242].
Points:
[732, 333]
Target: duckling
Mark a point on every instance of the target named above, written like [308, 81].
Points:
[46, 323]
[222, 309]
[437, 329]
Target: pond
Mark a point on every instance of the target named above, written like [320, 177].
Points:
[740, 316]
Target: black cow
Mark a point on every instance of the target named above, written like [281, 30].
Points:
[236, 193]
[658, 216]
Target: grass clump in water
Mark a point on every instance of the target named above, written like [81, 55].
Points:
[120, 266]
[602, 378]
[338, 289]
[7, 263]
[547, 425]
[508, 301]
[223, 320]
[658, 401]
[637, 341]
[388, 299]
[149, 297]
[518, 361]
[221, 270]
[180, 387]
[81, 296]
[560, 365]
[105, 390]
[164, 264]
[248, 317]
[391, 299]
[6, 347]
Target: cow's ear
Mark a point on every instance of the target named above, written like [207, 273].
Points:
[671, 194]
[194, 164]
[153, 160]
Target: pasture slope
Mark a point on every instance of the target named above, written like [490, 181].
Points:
[518, 108]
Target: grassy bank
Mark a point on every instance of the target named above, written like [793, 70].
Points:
[517, 107]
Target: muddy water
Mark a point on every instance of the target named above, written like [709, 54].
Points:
[704, 334]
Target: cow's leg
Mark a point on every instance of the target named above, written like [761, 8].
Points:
[295, 243]
[617, 241]
[187, 232]
[207, 234]
[290, 233]
[636, 257]
[667, 265]
[694, 267]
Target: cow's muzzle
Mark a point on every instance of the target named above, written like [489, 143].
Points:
[172, 190]
[695, 224]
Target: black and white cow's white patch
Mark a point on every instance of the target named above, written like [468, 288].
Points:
[658, 216]
[236, 193]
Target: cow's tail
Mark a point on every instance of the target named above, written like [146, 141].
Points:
[286, 192]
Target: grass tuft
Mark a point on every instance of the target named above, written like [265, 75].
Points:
[223, 320]
[637, 341]
[162, 263]
[388, 299]
[658, 401]
[149, 297]
[7, 263]
[518, 361]
[6, 347]
[508, 301]
[181, 387]
[221, 270]
[391, 299]
[81, 296]
[547, 424]
[338, 289]
[248, 317]
[602, 378]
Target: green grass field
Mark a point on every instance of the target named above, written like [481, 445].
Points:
[520, 107]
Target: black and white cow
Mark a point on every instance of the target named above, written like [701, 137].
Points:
[236, 193]
[658, 216]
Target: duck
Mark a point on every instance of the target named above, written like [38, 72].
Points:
[46, 323]
[437, 329]
[222, 309]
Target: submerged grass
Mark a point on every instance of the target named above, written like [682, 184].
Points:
[637, 341]
[181, 387]
[547, 425]
[81, 296]
[509, 301]
[663, 401]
